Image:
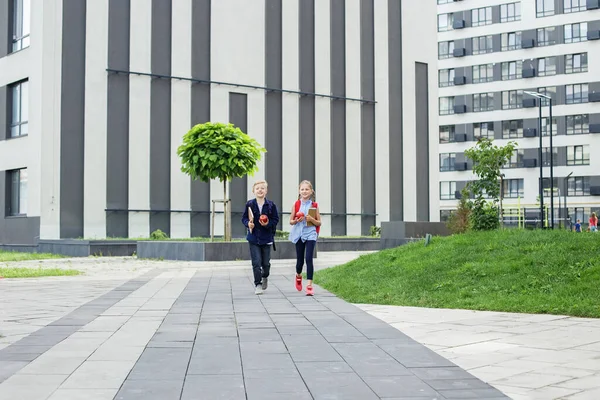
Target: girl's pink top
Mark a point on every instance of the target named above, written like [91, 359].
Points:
[593, 221]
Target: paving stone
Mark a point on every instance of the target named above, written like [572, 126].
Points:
[394, 386]
[161, 363]
[99, 375]
[150, 390]
[83, 394]
[225, 387]
[441, 373]
[216, 359]
[339, 386]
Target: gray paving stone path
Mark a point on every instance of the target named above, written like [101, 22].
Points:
[201, 333]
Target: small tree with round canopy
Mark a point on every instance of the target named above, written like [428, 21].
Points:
[215, 150]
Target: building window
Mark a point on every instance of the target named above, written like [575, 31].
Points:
[572, 6]
[512, 188]
[578, 155]
[446, 77]
[483, 73]
[576, 32]
[511, 41]
[21, 24]
[481, 16]
[512, 99]
[575, 63]
[546, 36]
[17, 192]
[516, 159]
[510, 12]
[483, 130]
[445, 215]
[546, 159]
[548, 91]
[546, 66]
[447, 161]
[512, 129]
[483, 102]
[447, 190]
[447, 134]
[445, 22]
[482, 44]
[446, 105]
[512, 70]
[578, 124]
[446, 49]
[578, 186]
[19, 109]
[545, 8]
[546, 126]
[580, 213]
[577, 93]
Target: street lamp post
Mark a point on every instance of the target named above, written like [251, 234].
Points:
[541, 96]
[565, 197]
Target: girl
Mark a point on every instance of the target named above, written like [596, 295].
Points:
[304, 235]
[261, 219]
[593, 222]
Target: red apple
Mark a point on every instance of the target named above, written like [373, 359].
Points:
[264, 219]
[299, 214]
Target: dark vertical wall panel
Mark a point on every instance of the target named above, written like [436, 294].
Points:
[238, 115]
[422, 139]
[5, 112]
[307, 84]
[117, 134]
[367, 72]
[200, 191]
[6, 24]
[72, 119]
[396, 117]
[338, 117]
[160, 117]
[273, 100]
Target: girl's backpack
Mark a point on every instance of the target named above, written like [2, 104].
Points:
[314, 205]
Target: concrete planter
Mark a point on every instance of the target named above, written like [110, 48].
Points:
[86, 248]
[342, 244]
[208, 251]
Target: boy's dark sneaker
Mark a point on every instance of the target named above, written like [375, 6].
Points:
[265, 283]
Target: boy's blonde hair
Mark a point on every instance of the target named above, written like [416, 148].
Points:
[260, 182]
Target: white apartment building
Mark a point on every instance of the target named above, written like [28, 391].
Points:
[489, 53]
[96, 95]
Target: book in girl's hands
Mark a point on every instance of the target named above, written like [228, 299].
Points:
[313, 213]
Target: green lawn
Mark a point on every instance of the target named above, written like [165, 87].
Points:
[17, 256]
[8, 272]
[554, 272]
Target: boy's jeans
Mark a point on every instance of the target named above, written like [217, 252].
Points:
[261, 261]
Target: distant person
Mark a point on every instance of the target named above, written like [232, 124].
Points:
[303, 235]
[593, 222]
[261, 219]
[578, 226]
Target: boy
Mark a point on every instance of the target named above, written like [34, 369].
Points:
[578, 226]
[261, 219]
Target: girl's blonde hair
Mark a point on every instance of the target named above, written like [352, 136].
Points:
[259, 182]
[312, 196]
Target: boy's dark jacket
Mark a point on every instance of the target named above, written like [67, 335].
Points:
[261, 234]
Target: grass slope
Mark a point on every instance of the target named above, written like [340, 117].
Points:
[555, 272]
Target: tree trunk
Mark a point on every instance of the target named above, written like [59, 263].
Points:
[225, 207]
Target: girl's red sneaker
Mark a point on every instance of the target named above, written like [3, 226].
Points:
[299, 283]
[309, 290]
